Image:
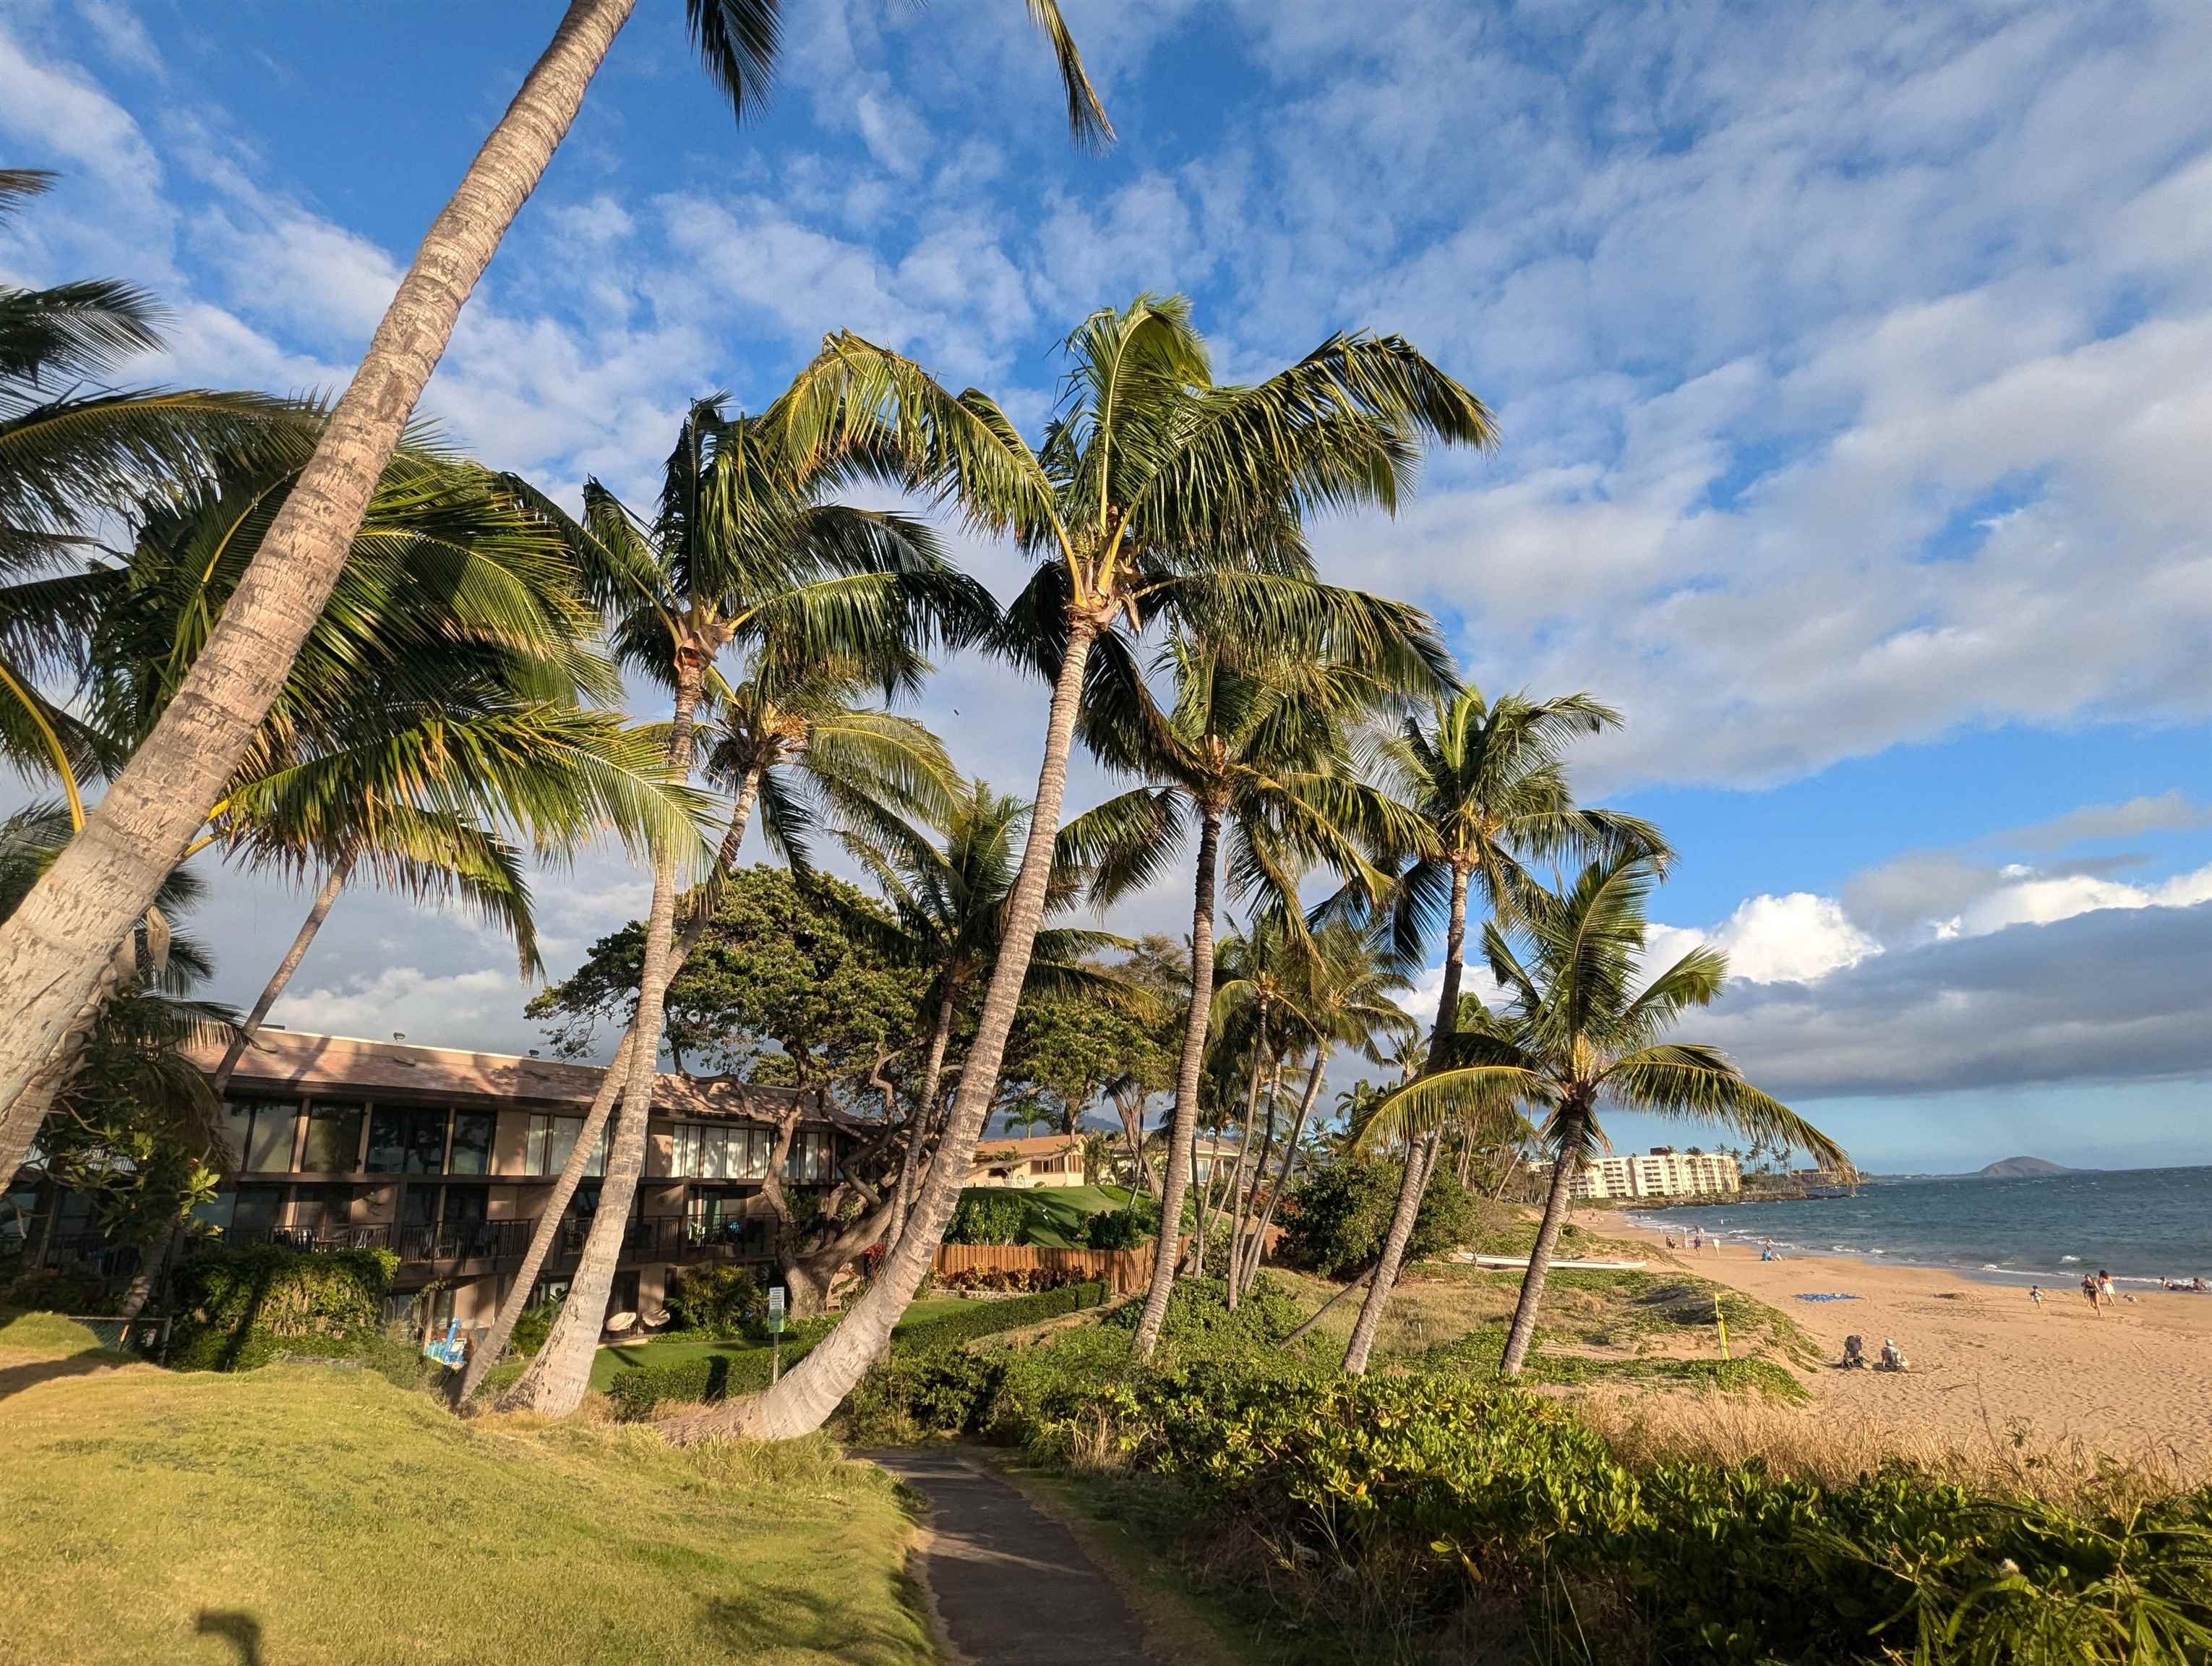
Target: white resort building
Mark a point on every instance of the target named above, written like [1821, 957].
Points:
[1663, 1171]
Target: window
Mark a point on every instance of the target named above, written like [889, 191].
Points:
[260, 1133]
[402, 1142]
[553, 1140]
[809, 1162]
[254, 1216]
[333, 1138]
[471, 1147]
[760, 1146]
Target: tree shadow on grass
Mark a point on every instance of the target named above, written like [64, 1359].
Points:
[13, 1379]
[756, 1620]
[241, 1631]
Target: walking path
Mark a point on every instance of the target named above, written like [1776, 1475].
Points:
[1011, 1585]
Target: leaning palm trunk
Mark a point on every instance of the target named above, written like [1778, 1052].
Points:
[924, 1103]
[1416, 1184]
[1523, 1333]
[1238, 1204]
[547, 1231]
[1290, 1161]
[324, 900]
[813, 1389]
[557, 1379]
[153, 1260]
[51, 948]
[19, 1128]
[1182, 1131]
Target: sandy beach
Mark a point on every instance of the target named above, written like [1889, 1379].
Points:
[2134, 1382]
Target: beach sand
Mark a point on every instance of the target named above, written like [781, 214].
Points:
[2134, 1383]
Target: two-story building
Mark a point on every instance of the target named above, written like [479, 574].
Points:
[447, 1157]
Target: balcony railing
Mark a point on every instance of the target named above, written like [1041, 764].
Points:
[652, 1238]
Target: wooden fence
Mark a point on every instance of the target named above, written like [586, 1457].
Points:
[1123, 1270]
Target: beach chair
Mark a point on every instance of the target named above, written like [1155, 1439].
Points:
[1854, 1353]
[619, 1325]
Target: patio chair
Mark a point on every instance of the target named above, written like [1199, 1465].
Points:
[620, 1324]
[657, 1321]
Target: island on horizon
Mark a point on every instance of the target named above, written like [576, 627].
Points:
[2023, 1168]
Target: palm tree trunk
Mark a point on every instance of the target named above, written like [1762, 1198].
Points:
[1420, 1154]
[52, 948]
[1314, 1318]
[1182, 1130]
[1289, 1160]
[933, 1072]
[1548, 1238]
[803, 1401]
[555, 1209]
[325, 899]
[1241, 1195]
[20, 1126]
[152, 1259]
[555, 1383]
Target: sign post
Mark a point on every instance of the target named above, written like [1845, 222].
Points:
[776, 1333]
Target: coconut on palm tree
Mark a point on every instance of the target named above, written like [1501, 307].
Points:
[1581, 1030]
[1155, 494]
[1488, 793]
[51, 953]
[740, 556]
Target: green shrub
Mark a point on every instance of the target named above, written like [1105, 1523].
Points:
[240, 1308]
[1335, 1220]
[50, 1292]
[1198, 1321]
[532, 1326]
[1121, 1229]
[719, 1299]
[989, 1318]
[988, 1217]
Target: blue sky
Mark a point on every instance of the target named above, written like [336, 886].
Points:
[1854, 364]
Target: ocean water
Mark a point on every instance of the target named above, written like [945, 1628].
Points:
[2141, 1224]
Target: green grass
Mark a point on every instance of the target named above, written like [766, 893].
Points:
[1057, 1213]
[634, 1356]
[310, 1516]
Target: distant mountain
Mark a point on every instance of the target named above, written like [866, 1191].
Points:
[2023, 1168]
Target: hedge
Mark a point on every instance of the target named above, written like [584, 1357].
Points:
[242, 1308]
[637, 1394]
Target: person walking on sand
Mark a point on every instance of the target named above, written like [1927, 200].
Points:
[2035, 1294]
[2090, 1293]
[2105, 1293]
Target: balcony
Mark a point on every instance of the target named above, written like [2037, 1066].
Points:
[488, 1243]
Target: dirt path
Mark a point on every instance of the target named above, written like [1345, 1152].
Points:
[1010, 1585]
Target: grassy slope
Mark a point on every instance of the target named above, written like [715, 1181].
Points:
[322, 1516]
[1057, 1213]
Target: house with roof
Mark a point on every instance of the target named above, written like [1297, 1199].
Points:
[1042, 1159]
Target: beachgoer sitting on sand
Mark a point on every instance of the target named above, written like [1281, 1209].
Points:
[2198, 1286]
[1891, 1357]
[1854, 1353]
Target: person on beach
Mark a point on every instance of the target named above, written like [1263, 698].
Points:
[2090, 1294]
[2106, 1292]
[2035, 1294]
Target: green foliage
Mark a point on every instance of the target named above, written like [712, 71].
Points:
[50, 1293]
[241, 1308]
[1335, 1219]
[986, 1216]
[532, 1326]
[1121, 1229]
[989, 1318]
[1198, 1320]
[718, 1300]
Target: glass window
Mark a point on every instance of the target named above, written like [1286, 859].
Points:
[714, 1154]
[217, 1211]
[402, 1142]
[259, 1133]
[472, 1149]
[254, 1216]
[683, 1150]
[333, 1139]
[552, 1140]
[760, 1146]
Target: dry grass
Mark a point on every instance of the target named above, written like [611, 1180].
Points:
[1834, 1445]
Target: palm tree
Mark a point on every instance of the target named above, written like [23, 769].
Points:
[739, 554]
[1489, 793]
[1580, 1029]
[1256, 739]
[1157, 494]
[50, 954]
[949, 902]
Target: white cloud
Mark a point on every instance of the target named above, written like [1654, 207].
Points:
[480, 1008]
[1796, 938]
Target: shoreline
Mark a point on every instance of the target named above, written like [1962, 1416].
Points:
[1988, 1363]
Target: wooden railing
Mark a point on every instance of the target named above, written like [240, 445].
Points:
[1123, 1270]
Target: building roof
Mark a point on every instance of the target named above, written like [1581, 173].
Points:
[300, 1061]
[1022, 1148]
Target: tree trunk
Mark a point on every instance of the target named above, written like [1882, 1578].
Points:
[1419, 1162]
[19, 1128]
[813, 1389]
[1289, 1160]
[925, 1102]
[325, 899]
[51, 948]
[557, 1379]
[1359, 1283]
[547, 1231]
[1182, 1130]
[152, 1259]
[1236, 1203]
[1548, 1238]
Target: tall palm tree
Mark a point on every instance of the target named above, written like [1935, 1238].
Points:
[948, 898]
[1254, 743]
[1156, 493]
[793, 741]
[51, 953]
[1489, 795]
[739, 555]
[1580, 1029]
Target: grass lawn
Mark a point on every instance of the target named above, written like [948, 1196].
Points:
[1057, 1213]
[300, 1515]
[632, 1356]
